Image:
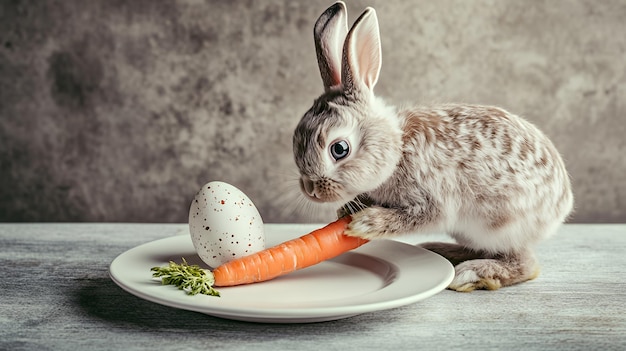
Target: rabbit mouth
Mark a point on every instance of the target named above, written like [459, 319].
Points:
[321, 190]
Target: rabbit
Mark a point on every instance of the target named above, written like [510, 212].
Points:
[490, 179]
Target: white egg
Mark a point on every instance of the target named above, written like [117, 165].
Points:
[224, 224]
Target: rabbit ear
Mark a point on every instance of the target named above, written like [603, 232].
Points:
[329, 34]
[362, 54]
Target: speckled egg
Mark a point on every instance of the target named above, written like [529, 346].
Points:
[224, 224]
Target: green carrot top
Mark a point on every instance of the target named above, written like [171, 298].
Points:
[190, 278]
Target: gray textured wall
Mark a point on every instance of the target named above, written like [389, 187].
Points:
[121, 110]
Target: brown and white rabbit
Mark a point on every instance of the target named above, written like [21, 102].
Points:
[490, 179]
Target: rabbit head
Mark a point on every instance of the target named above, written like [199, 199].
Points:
[349, 142]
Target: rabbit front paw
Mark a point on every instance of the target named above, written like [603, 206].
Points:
[369, 223]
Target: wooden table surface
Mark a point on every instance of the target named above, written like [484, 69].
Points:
[57, 295]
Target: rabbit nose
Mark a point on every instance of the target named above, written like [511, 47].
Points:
[308, 186]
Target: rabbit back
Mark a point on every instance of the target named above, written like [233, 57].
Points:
[485, 172]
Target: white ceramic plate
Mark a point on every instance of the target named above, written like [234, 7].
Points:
[377, 276]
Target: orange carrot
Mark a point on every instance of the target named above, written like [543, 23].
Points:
[310, 249]
[307, 250]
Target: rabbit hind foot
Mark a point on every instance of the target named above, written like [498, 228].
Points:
[475, 270]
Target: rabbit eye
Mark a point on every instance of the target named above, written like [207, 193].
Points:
[340, 149]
